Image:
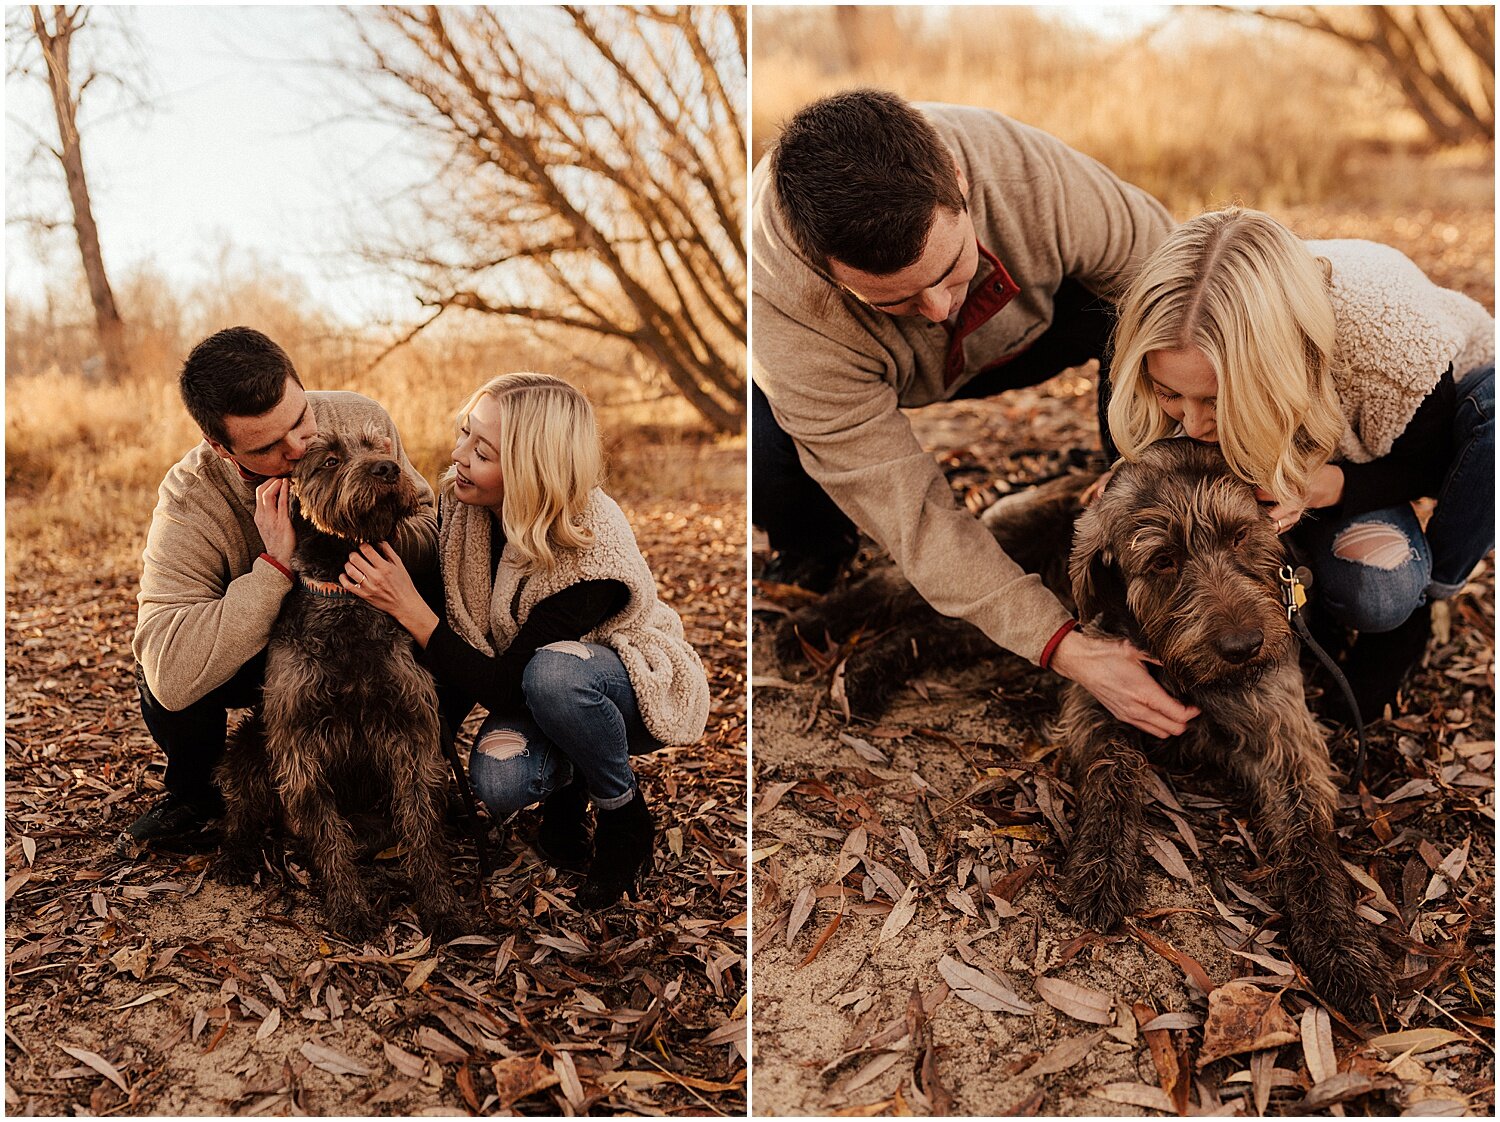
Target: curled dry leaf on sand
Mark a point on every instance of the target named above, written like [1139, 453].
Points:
[147, 987]
[946, 820]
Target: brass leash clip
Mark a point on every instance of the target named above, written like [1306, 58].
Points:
[1293, 593]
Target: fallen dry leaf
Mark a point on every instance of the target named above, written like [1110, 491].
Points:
[1076, 1001]
[802, 908]
[900, 916]
[99, 1064]
[1242, 1017]
[1135, 1094]
[516, 1077]
[326, 1058]
[1065, 1055]
[1317, 1044]
[980, 989]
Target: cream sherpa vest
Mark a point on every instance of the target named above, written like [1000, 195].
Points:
[1396, 334]
[671, 687]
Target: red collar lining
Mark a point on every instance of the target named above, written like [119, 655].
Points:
[983, 302]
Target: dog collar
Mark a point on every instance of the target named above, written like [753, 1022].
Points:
[328, 589]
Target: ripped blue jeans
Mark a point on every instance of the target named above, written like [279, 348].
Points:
[583, 715]
[1372, 570]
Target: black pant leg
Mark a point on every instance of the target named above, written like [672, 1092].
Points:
[193, 738]
[787, 503]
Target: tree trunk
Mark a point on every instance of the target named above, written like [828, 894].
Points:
[55, 47]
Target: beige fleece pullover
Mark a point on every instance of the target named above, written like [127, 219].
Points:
[836, 371]
[1396, 333]
[670, 685]
[207, 599]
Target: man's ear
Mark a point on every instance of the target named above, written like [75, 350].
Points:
[963, 181]
[223, 452]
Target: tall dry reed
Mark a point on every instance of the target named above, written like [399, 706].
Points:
[1201, 110]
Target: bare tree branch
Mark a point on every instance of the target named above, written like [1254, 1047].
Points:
[590, 175]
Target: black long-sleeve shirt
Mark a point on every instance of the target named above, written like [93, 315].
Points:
[494, 681]
[1417, 462]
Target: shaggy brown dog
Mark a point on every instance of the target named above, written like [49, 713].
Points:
[1177, 556]
[348, 720]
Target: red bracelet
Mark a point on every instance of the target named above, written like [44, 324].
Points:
[284, 570]
[1051, 648]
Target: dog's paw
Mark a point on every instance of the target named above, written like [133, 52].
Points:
[446, 925]
[1102, 890]
[1348, 969]
[238, 865]
[354, 920]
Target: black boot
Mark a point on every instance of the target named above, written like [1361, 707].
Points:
[563, 837]
[623, 838]
[1379, 662]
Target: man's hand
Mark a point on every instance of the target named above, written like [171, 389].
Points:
[1114, 672]
[273, 518]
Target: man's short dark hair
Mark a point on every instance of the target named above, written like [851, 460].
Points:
[859, 177]
[237, 372]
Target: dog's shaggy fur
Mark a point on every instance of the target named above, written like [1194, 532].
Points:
[348, 720]
[1177, 557]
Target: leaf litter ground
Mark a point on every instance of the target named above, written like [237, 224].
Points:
[910, 954]
[146, 987]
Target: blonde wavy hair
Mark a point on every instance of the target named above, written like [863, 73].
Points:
[1247, 292]
[550, 460]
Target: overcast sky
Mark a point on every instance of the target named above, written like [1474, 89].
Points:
[243, 142]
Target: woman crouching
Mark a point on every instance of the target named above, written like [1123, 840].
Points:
[553, 626]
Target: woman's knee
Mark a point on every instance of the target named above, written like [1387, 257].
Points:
[1381, 579]
[502, 771]
[561, 674]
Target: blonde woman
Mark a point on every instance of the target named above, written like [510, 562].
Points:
[553, 625]
[1343, 383]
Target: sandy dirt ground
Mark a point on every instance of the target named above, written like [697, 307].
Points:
[910, 952]
[147, 987]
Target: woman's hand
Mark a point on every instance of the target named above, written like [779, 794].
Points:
[378, 577]
[1325, 488]
[1115, 673]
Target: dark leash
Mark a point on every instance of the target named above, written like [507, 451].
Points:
[1294, 586]
[476, 827]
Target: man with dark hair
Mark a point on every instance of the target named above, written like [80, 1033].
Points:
[909, 254]
[218, 558]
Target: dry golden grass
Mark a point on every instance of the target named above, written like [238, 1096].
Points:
[1204, 110]
[84, 458]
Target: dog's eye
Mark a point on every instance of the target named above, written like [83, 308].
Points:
[1163, 563]
[331, 462]
[1241, 536]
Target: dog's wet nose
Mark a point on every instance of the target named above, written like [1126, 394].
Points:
[1240, 646]
[386, 471]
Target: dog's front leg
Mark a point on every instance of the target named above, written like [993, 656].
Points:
[417, 803]
[250, 803]
[1102, 875]
[1294, 797]
[315, 816]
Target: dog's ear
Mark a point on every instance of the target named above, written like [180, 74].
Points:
[1097, 587]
